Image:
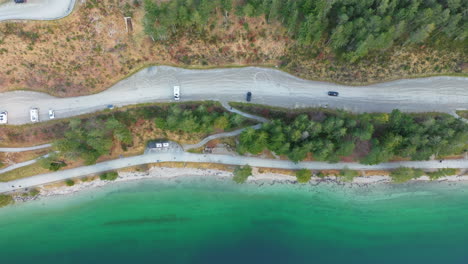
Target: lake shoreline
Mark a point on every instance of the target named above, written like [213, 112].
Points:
[170, 173]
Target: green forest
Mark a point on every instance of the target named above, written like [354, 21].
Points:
[369, 138]
[352, 28]
[91, 138]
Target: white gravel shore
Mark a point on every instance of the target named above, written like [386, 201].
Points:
[170, 173]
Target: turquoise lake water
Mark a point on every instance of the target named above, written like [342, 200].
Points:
[216, 221]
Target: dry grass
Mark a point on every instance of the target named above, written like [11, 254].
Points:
[22, 172]
[463, 113]
[90, 50]
[8, 158]
[376, 172]
[277, 171]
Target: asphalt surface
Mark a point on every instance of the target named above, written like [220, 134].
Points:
[268, 86]
[213, 158]
[36, 10]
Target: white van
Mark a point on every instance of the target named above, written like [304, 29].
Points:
[34, 113]
[3, 117]
[177, 93]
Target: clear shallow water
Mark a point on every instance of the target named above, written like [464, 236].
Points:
[215, 221]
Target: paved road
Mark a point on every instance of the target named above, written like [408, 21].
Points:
[25, 148]
[268, 86]
[36, 10]
[213, 158]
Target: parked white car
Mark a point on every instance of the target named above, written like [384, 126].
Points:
[34, 113]
[51, 114]
[177, 93]
[166, 145]
[3, 117]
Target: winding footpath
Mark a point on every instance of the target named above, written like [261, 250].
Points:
[22, 164]
[228, 134]
[36, 10]
[25, 148]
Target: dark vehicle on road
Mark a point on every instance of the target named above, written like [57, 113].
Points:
[332, 93]
[19, 1]
[249, 96]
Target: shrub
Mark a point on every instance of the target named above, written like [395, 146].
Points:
[441, 173]
[109, 176]
[405, 174]
[303, 175]
[348, 175]
[5, 200]
[52, 162]
[69, 182]
[34, 192]
[242, 173]
[321, 174]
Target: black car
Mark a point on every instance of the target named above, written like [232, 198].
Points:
[332, 93]
[249, 96]
[19, 1]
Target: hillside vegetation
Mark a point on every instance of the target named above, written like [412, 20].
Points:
[352, 28]
[90, 50]
[368, 138]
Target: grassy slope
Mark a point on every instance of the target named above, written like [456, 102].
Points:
[90, 50]
[463, 114]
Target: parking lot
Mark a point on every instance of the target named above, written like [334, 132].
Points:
[162, 146]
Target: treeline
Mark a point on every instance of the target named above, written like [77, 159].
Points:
[94, 137]
[335, 136]
[91, 139]
[198, 120]
[353, 28]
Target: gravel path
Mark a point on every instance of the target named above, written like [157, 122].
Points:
[268, 86]
[220, 135]
[228, 134]
[36, 10]
[213, 158]
[25, 148]
[21, 164]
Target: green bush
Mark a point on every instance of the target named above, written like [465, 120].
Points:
[5, 200]
[53, 162]
[403, 174]
[69, 182]
[441, 173]
[348, 175]
[303, 175]
[109, 176]
[321, 174]
[242, 173]
[34, 192]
